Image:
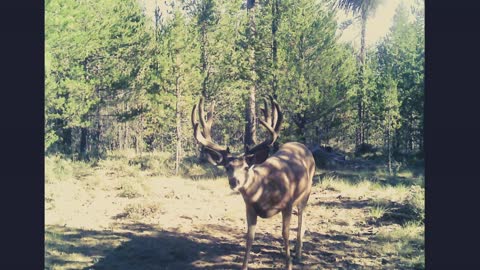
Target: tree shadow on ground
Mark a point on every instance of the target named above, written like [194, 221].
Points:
[141, 246]
[335, 251]
[217, 246]
[168, 250]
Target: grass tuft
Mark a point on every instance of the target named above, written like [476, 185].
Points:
[405, 242]
[377, 212]
[131, 188]
[143, 209]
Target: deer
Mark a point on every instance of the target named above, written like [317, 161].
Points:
[268, 184]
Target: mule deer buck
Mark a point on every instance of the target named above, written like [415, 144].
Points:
[269, 185]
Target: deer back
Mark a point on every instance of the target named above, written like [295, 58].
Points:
[284, 178]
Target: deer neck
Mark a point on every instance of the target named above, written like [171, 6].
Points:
[252, 190]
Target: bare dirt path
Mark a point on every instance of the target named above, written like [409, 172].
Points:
[184, 224]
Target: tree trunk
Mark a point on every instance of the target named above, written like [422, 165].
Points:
[83, 143]
[126, 131]
[98, 132]
[300, 122]
[67, 140]
[363, 36]
[203, 59]
[179, 128]
[250, 130]
[389, 151]
[140, 139]
[275, 20]
[366, 126]
[360, 128]
[120, 136]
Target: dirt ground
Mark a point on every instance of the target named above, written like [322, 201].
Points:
[178, 223]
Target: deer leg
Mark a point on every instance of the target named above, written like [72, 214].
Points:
[286, 215]
[300, 233]
[251, 222]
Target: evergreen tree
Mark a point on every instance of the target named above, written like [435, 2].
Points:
[401, 56]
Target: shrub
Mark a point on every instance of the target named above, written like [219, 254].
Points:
[157, 163]
[193, 168]
[415, 202]
[321, 159]
[58, 169]
[411, 209]
[406, 241]
[365, 148]
[142, 210]
[131, 188]
[119, 167]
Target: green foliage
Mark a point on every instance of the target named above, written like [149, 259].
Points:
[400, 66]
[192, 168]
[120, 80]
[89, 59]
[406, 241]
[156, 163]
[58, 169]
[120, 167]
[315, 72]
[416, 203]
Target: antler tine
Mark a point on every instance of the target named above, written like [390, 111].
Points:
[194, 115]
[271, 130]
[209, 123]
[203, 136]
[204, 141]
[266, 112]
[279, 119]
[271, 123]
[274, 111]
[201, 113]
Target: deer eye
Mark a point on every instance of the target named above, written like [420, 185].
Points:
[246, 168]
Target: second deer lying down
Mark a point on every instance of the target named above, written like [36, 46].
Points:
[269, 185]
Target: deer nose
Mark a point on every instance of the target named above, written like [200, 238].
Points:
[233, 182]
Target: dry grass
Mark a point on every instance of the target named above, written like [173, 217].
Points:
[142, 210]
[120, 215]
[404, 243]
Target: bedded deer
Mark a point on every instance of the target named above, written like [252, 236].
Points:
[269, 185]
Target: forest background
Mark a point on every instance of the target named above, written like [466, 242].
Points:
[119, 78]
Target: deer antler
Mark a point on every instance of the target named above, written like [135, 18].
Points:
[273, 121]
[216, 154]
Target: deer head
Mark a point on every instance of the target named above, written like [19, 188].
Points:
[237, 166]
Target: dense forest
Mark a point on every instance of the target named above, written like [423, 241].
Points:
[117, 77]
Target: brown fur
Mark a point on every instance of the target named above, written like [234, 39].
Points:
[280, 183]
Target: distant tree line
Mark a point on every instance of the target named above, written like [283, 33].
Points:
[117, 77]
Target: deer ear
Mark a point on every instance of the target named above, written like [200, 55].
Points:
[261, 156]
[228, 149]
[214, 157]
[250, 159]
